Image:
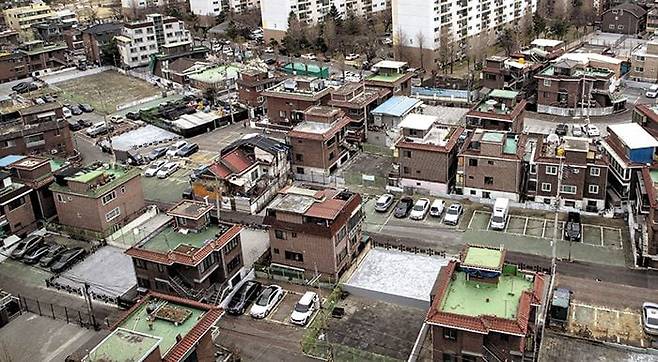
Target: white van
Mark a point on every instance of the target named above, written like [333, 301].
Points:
[499, 215]
[652, 92]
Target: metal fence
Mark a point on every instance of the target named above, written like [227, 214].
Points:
[55, 311]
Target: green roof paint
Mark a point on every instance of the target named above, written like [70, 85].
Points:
[56, 164]
[501, 93]
[493, 137]
[483, 257]
[121, 175]
[216, 74]
[124, 345]
[654, 175]
[86, 177]
[510, 146]
[306, 69]
[388, 78]
[170, 239]
[469, 298]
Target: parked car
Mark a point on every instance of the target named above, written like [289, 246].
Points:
[384, 202]
[154, 167]
[34, 255]
[351, 56]
[576, 130]
[269, 61]
[67, 258]
[453, 214]
[75, 110]
[650, 318]
[173, 149]
[49, 98]
[85, 123]
[116, 118]
[266, 301]
[156, 153]
[187, 150]
[268, 50]
[500, 213]
[87, 108]
[309, 56]
[437, 207]
[53, 254]
[403, 207]
[652, 92]
[561, 129]
[66, 112]
[39, 100]
[245, 295]
[97, 129]
[197, 172]
[25, 246]
[167, 169]
[420, 209]
[304, 308]
[19, 86]
[572, 229]
[74, 126]
[133, 116]
[591, 130]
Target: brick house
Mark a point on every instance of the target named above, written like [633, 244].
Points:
[312, 229]
[287, 100]
[16, 214]
[97, 199]
[160, 327]
[500, 110]
[188, 255]
[644, 62]
[391, 76]
[97, 37]
[544, 49]
[584, 173]
[427, 154]
[508, 73]
[647, 216]
[627, 18]
[13, 67]
[39, 129]
[357, 102]
[318, 145]
[36, 173]
[483, 309]
[491, 165]
[251, 84]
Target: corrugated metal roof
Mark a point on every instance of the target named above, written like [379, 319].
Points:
[397, 106]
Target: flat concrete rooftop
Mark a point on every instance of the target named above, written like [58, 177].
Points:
[170, 239]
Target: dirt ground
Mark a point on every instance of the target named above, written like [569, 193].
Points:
[105, 91]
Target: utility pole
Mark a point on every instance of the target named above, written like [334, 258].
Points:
[90, 307]
[217, 191]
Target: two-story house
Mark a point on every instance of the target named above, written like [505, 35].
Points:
[16, 214]
[36, 173]
[251, 84]
[357, 102]
[287, 100]
[391, 76]
[500, 110]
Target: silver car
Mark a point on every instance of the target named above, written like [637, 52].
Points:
[650, 318]
[167, 170]
[384, 202]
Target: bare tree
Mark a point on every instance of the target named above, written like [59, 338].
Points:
[399, 44]
[330, 35]
[446, 48]
[420, 38]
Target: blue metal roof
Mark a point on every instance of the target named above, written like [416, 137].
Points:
[439, 92]
[8, 160]
[396, 106]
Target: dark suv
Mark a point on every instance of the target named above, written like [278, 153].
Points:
[243, 297]
[572, 229]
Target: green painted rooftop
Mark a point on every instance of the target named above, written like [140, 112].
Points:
[56, 164]
[501, 93]
[169, 239]
[483, 257]
[312, 68]
[470, 298]
[87, 176]
[124, 345]
[390, 78]
[216, 74]
[510, 146]
[493, 137]
[119, 174]
[654, 175]
[166, 330]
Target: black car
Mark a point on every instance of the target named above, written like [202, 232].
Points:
[26, 245]
[53, 254]
[66, 259]
[20, 86]
[85, 123]
[561, 129]
[188, 150]
[133, 116]
[270, 61]
[403, 207]
[74, 126]
[572, 229]
[87, 108]
[243, 297]
[75, 110]
[156, 153]
[34, 255]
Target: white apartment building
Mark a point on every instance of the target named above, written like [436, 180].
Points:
[208, 10]
[156, 34]
[414, 20]
[22, 18]
[241, 5]
[275, 12]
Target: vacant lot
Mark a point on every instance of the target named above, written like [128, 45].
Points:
[105, 91]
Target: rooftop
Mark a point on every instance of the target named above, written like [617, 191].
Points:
[169, 239]
[397, 106]
[30, 162]
[485, 258]
[325, 204]
[386, 77]
[588, 72]
[190, 209]
[472, 298]
[417, 121]
[313, 127]
[113, 177]
[633, 135]
[390, 64]
[546, 42]
[506, 94]
[124, 345]
[216, 74]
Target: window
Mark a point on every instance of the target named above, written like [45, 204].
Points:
[568, 189]
[161, 268]
[60, 198]
[234, 263]
[113, 214]
[254, 175]
[143, 283]
[611, 26]
[620, 27]
[490, 162]
[300, 170]
[551, 170]
[140, 264]
[547, 82]
[291, 255]
[639, 69]
[532, 185]
[449, 333]
[472, 162]
[406, 153]
[299, 157]
[546, 187]
[14, 204]
[231, 245]
[280, 234]
[108, 197]
[7, 143]
[488, 180]
[533, 169]
[593, 189]
[276, 251]
[594, 171]
[405, 169]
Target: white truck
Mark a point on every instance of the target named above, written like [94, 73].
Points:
[500, 214]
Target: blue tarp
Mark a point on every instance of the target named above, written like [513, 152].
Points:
[396, 106]
[8, 160]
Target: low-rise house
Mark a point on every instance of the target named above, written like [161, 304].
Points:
[251, 84]
[508, 73]
[40, 55]
[21, 18]
[36, 173]
[287, 100]
[314, 231]
[186, 254]
[97, 39]
[389, 114]
[97, 200]
[427, 154]
[357, 102]
[318, 145]
[628, 18]
[491, 165]
[16, 214]
[544, 49]
[570, 88]
[652, 20]
[220, 77]
[582, 167]
[500, 110]
[644, 62]
[13, 67]
[485, 309]
[248, 174]
[160, 327]
[391, 76]
[39, 129]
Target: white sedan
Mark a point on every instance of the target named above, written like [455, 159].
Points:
[420, 209]
[266, 301]
[650, 318]
[167, 169]
[153, 168]
[591, 130]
